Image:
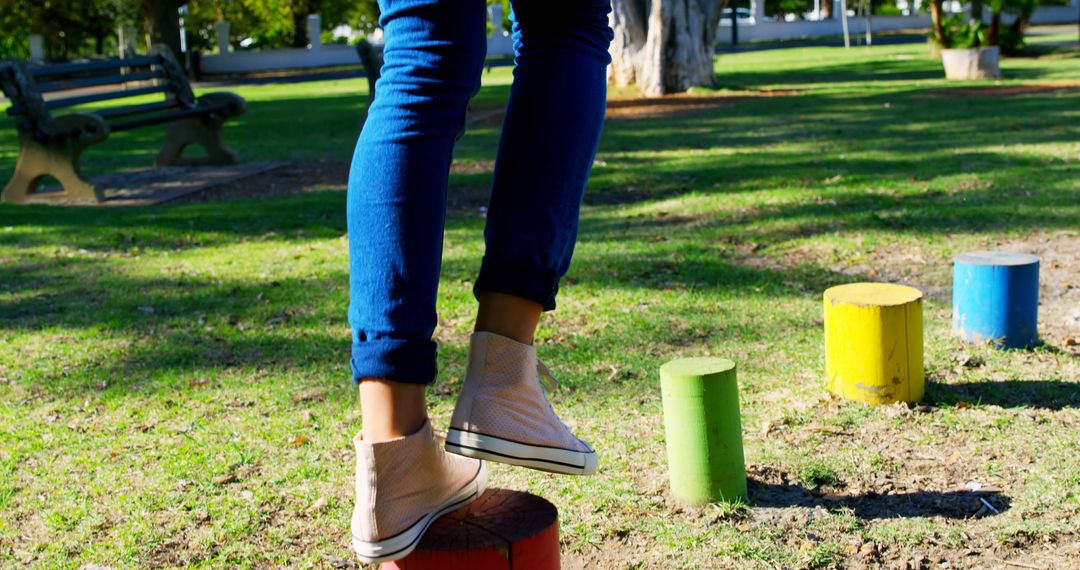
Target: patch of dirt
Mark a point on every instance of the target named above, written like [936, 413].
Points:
[294, 178]
[1059, 285]
[311, 176]
[307, 176]
[1002, 90]
[679, 104]
[949, 486]
[1059, 275]
[619, 109]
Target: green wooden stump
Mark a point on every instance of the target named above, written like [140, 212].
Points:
[703, 430]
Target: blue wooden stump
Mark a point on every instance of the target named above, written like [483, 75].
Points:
[996, 298]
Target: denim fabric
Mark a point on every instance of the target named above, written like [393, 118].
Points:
[433, 59]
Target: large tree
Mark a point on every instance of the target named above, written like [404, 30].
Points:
[161, 21]
[333, 13]
[664, 46]
[70, 27]
[263, 23]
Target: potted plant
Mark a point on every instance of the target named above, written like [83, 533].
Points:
[968, 52]
[964, 46]
[970, 49]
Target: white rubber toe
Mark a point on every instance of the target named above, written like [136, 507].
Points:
[543, 458]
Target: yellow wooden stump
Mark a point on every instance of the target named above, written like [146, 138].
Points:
[874, 342]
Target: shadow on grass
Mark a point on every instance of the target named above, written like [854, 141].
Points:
[307, 127]
[878, 69]
[139, 330]
[1041, 394]
[171, 326]
[317, 215]
[948, 504]
[797, 142]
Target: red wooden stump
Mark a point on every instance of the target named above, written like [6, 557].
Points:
[501, 530]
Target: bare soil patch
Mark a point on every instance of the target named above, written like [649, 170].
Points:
[679, 104]
[1003, 90]
[295, 178]
[629, 108]
[321, 175]
[1059, 276]
[1059, 285]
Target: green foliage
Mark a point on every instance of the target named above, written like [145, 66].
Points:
[268, 23]
[961, 33]
[1011, 40]
[780, 9]
[70, 27]
[75, 28]
[13, 31]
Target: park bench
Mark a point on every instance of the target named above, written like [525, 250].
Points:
[51, 145]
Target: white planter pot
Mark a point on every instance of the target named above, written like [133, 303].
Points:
[975, 63]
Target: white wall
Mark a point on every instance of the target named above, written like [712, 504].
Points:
[1056, 14]
[769, 30]
[278, 59]
[332, 55]
[317, 54]
[804, 29]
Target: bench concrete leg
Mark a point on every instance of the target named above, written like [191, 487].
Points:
[59, 159]
[203, 131]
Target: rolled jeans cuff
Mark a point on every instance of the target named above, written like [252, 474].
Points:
[537, 285]
[398, 360]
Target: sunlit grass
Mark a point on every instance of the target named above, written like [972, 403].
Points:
[174, 381]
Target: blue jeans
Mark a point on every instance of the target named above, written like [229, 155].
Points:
[433, 59]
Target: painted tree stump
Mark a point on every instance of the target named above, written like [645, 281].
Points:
[703, 430]
[874, 342]
[996, 298]
[501, 530]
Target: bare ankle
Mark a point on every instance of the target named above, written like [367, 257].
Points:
[390, 409]
[509, 316]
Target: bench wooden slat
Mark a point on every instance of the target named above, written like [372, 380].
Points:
[136, 109]
[91, 66]
[158, 119]
[65, 84]
[104, 96]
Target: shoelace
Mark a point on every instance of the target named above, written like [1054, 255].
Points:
[549, 384]
[547, 380]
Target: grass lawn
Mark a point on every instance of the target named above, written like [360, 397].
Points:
[174, 386]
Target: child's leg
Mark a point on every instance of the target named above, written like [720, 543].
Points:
[550, 136]
[396, 205]
[549, 140]
[397, 200]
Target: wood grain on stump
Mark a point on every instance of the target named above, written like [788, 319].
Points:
[500, 530]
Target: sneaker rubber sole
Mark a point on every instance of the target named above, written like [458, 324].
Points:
[400, 545]
[497, 449]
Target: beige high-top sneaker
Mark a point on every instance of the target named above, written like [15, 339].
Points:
[402, 486]
[503, 415]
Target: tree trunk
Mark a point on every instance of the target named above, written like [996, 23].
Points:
[664, 46]
[163, 22]
[936, 23]
[299, 24]
[1020, 24]
[995, 29]
[301, 9]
